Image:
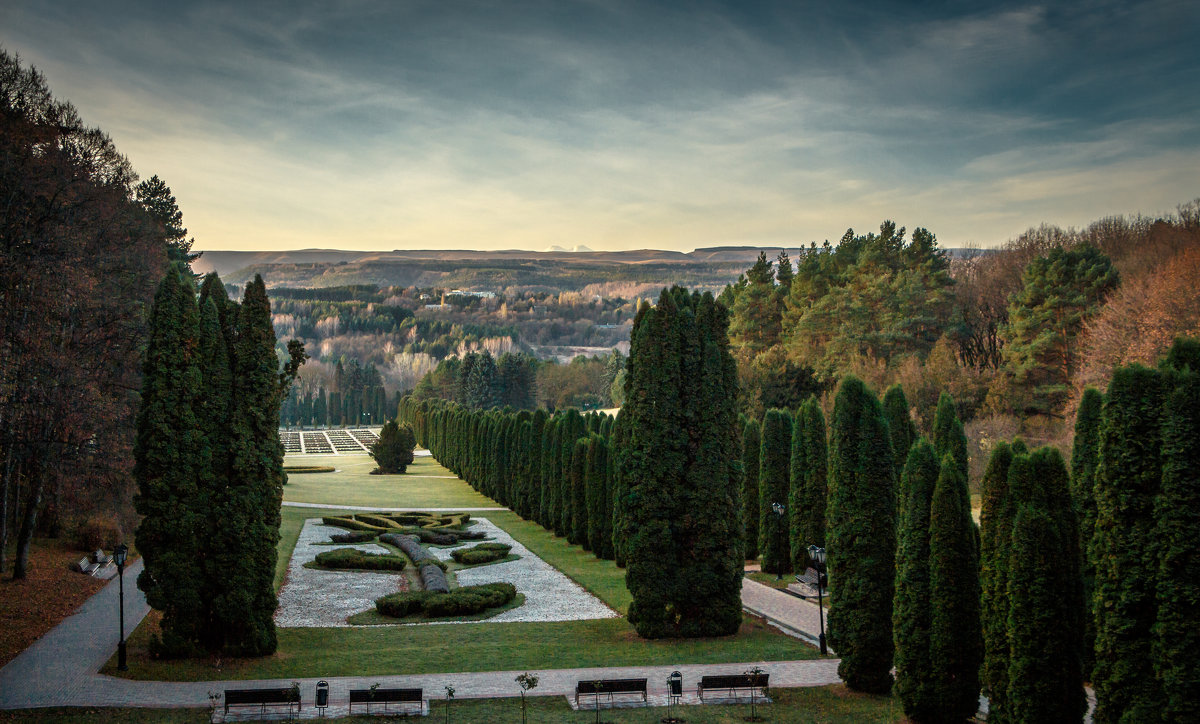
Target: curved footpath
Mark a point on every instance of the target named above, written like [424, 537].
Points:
[60, 668]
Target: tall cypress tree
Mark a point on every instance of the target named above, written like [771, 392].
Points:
[256, 486]
[1176, 650]
[751, 448]
[167, 468]
[773, 487]
[599, 498]
[901, 430]
[578, 531]
[955, 639]
[995, 517]
[677, 507]
[1127, 481]
[1084, 458]
[549, 489]
[949, 438]
[1045, 625]
[816, 472]
[573, 427]
[795, 503]
[861, 537]
[911, 613]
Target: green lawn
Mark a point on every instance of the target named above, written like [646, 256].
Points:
[353, 484]
[380, 650]
[823, 705]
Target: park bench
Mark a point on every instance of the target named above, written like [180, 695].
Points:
[609, 687]
[731, 683]
[263, 698]
[386, 696]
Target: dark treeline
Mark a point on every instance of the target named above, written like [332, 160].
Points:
[82, 245]
[356, 396]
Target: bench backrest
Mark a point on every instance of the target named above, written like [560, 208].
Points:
[262, 696]
[610, 686]
[734, 681]
[361, 696]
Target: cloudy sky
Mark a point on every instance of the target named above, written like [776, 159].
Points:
[388, 124]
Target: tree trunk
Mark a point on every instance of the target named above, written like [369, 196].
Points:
[28, 525]
[8, 466]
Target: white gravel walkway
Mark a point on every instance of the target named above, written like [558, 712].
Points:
[319, 598]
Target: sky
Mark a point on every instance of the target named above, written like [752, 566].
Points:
[389, 124]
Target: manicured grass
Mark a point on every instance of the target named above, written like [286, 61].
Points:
[813, 705]
[353, 484]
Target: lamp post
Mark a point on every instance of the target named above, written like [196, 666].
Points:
[119, 554]
[778, 508]
[817, 555]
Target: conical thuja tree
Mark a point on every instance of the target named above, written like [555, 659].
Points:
[798, 543]
[861, 539]
[773, 488]
[949, 438]
[1127, 480]
[911, 612]
[252, 512]
[816, 473]
[599, 498]
[901, 430]
[578, 532]
[955, 640]
[1176, 649]
[751, 449]
[167, 468]
[1085, 454]
[995, 517]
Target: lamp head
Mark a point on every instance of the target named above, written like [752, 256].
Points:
[119, 555]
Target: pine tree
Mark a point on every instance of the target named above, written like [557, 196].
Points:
[676, 506]
[751, 448]
[995, 517]
[756, 322]
[911, 612]
[1127, 481]
[167, 468]
[955, 639]
[816, 472]
[1045, 623]
[901, 430]
[773, 487]
[1176, 649]
[255, 493]
[1084, 458]
[861, 536]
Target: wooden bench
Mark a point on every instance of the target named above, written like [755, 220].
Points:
[263, 698]
[731, 683]
[385, 697]
[609, 687]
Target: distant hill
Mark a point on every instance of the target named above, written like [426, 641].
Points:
[557, 269]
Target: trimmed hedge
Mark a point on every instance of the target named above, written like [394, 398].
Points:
[306, 469]
[466, 601]
[482, 553]
[378, 520]
[354, 558]
[433, 571]
[351, 524]
[354, 536]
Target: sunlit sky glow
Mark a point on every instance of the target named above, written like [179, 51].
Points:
[382, 124]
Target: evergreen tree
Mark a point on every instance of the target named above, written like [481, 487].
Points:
[321, 409]
[996, 517]
[1084, 458]
[393, 451]
[901, 430]
[551, 444]
[751, 448]
[795, 503]
[168, 461]
[1127, 481]
[676, 510]
[599, 498]
[773, 488]
[913, 600]
[816, 472]
[482, 383]
[955, 639]
[571, 429]
[1045, 623]
[756, 316]
[155, 197]
[861, 536]
[578, 533]
[949, 438]
[1176, 649]
[252, 513]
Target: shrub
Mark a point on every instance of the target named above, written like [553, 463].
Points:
[433, 576]
[393, 451]
[377, 520]
[354, 558]
[97, 532]
[466, 601]
[307, 469]
[356, 536]
[351, 524]
[482, 553]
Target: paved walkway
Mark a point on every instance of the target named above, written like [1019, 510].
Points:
[793, 615]
[59, 669]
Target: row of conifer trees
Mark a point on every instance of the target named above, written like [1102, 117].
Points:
[209, 467]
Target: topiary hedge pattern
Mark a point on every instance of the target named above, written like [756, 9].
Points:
[466, 601]
[482, 553]
[354, 536]
[354, 558]
[307, 469]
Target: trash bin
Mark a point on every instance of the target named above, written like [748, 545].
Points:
[322, 695]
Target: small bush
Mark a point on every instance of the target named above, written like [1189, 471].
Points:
[466, 601]
[351, 524]
[377, 520]
[482, 553]
[97, 532]
[307, 469]
[356, 536]
[354, 558]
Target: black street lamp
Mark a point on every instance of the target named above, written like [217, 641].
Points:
[817, 555]
[119, 554]
[778, 508]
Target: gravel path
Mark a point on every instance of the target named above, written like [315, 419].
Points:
[317, 598]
